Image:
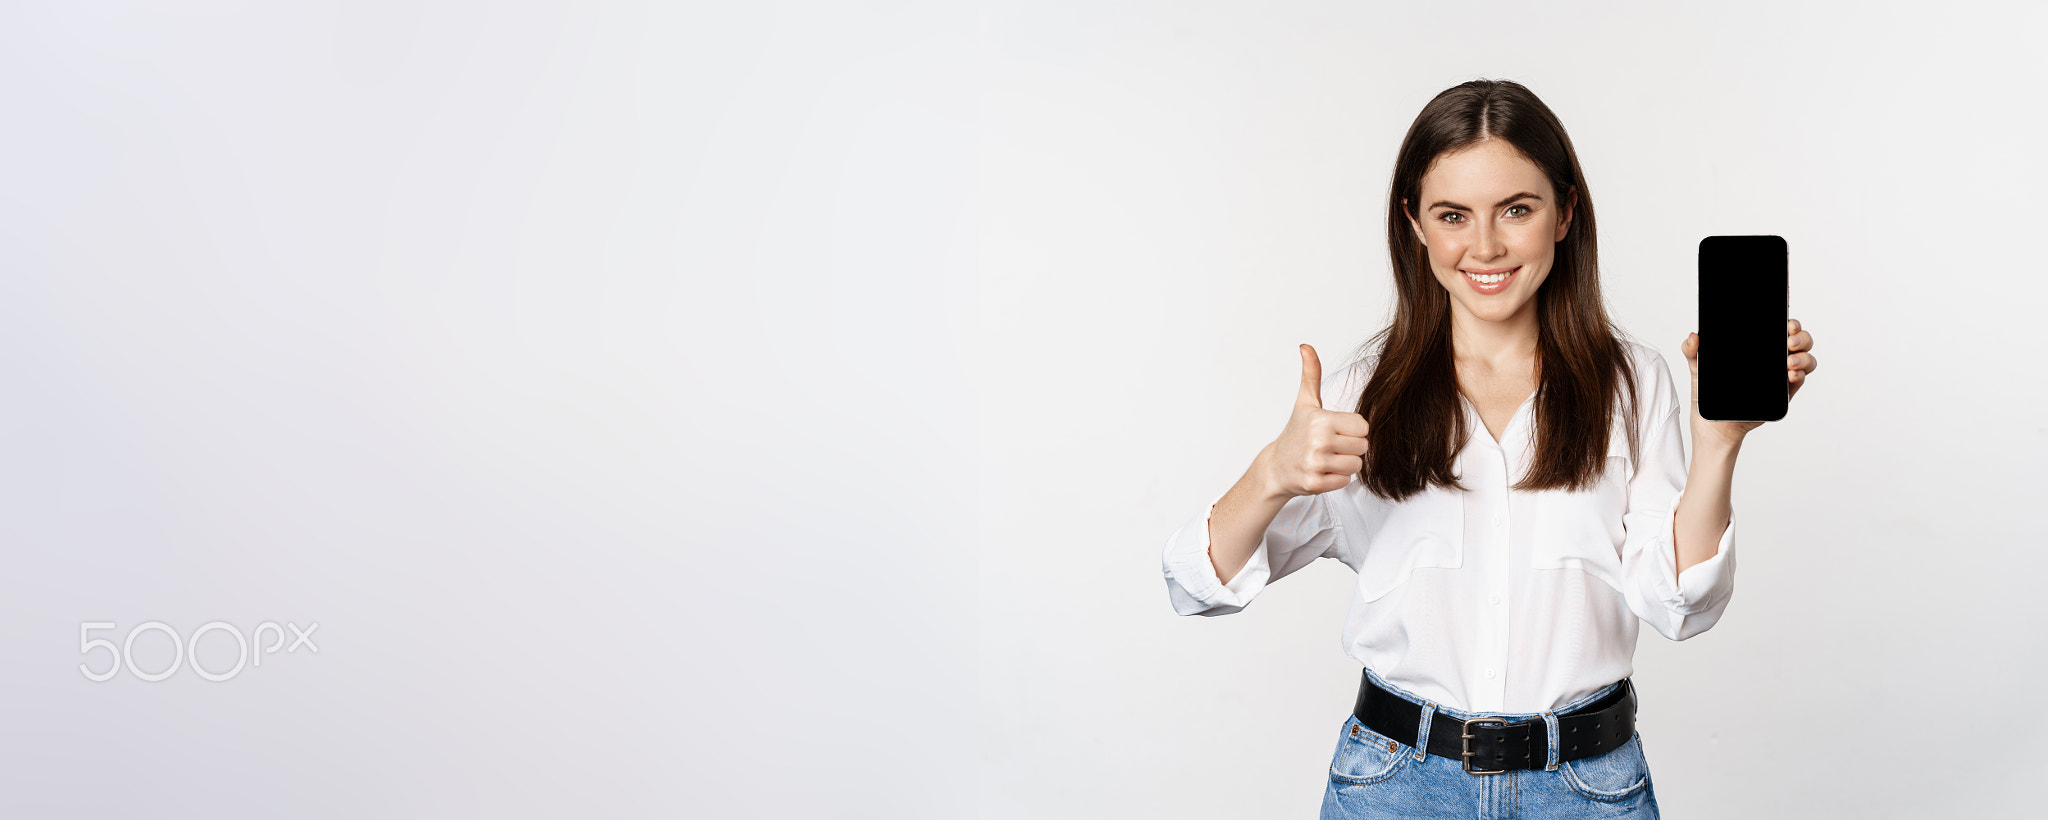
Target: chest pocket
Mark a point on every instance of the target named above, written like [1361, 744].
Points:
[1426, 531]
[1583, 530]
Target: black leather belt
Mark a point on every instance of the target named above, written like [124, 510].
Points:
[1491, 745]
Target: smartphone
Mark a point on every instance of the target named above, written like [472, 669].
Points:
[1745, 296]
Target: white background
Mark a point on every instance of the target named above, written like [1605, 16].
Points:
[779, 410]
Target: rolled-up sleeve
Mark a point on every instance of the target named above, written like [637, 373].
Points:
[1679, 605]
[1302, 532]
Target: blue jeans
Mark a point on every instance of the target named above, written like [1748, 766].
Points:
[1375, 776]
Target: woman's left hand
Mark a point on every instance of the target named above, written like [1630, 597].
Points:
[1799, 364]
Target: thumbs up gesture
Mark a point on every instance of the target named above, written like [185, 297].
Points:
[1320, 450]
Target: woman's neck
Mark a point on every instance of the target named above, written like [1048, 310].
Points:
[1504, 346]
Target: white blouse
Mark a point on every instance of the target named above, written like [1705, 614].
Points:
[1493, 600]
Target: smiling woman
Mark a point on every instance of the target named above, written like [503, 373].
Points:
[1504, 190]
[1502, 578]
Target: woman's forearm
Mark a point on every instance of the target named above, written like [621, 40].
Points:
[1238, 521]
[1703, 509]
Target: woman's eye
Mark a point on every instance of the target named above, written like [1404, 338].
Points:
[1455, 218]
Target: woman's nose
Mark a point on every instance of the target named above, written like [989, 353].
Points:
[1488, 244]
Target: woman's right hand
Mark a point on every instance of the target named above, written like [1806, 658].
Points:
[1320, 450]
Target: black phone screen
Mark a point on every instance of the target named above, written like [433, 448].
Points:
[1744, 299]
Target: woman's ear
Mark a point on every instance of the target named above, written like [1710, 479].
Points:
[1571, 201]
[1412, 224]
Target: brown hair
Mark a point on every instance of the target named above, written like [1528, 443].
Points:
[1411, 401]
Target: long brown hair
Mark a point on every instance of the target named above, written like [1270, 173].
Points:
[1411, 401]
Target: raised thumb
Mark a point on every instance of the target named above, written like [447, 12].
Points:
[1311, 378]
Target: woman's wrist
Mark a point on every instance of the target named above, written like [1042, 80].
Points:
[1716, 438]
[1263, 481]
[1714, 448]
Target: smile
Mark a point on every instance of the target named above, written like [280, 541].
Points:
[1490, 283]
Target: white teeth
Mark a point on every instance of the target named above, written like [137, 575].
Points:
[1489, 279]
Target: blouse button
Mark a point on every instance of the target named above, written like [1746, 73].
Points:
[1489, 674]
[1496, 520]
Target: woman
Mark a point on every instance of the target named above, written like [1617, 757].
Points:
[1504, 474]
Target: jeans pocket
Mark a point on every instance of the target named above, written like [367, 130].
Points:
[1365, 756]
[1617, 774]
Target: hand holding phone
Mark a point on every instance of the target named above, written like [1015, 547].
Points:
[1743, 349]
[1739, 279]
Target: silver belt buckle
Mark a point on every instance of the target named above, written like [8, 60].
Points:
[1465, 744]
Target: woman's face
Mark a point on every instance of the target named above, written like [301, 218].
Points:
[1491, 224]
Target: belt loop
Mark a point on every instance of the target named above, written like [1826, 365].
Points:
[1422, 733]
[1550, 727]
